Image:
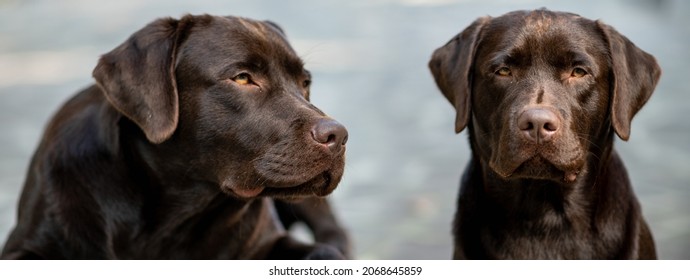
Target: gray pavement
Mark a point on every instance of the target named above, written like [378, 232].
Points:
[369, 60]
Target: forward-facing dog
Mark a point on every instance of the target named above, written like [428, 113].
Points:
[542, 94]
[194, 133]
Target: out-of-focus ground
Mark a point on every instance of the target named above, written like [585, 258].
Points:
[368, 59]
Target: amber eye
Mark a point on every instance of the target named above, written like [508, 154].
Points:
[578, 72]
[503, 71]
[242, 79]
[306, 83]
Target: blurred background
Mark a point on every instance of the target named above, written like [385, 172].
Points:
[368, 59]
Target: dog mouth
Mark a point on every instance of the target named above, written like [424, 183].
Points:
[321, 185]
[560, 160]
[539, 167]
[289, 170]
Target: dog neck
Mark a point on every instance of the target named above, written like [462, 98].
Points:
[191, 205]
[163, 180]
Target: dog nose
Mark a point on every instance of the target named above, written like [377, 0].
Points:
[538, 125]
[330, 133]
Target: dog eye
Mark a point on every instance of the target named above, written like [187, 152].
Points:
[306, 83]
[578, 72]
[242, 79]
[503, 71]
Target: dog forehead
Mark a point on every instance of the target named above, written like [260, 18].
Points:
[541, 22]
[227, 39]
[553, 37]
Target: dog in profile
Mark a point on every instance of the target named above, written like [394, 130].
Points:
[542, 95]
[196, 135]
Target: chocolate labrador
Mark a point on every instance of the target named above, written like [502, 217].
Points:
[194, 128]
[542, 94]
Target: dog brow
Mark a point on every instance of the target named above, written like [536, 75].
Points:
[294, 65]
[501, 58]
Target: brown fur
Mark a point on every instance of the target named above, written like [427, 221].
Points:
[170, 157]
[557, 191]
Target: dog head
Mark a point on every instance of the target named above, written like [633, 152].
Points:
[541, 90]
[224, 100]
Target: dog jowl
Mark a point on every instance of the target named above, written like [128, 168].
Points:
[542, 94]
[192, 130]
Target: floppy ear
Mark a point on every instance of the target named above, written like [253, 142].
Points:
[635, 74]
[138, 79]
[451, 66]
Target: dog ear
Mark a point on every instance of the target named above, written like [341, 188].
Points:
[138, 79]
[275, 26]
[635, 74]
[451, 66]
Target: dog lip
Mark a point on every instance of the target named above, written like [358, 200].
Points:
[247, 193]
[570, 176]
[540, 167]
[327, 187]
[321, 185]
[321, 176]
